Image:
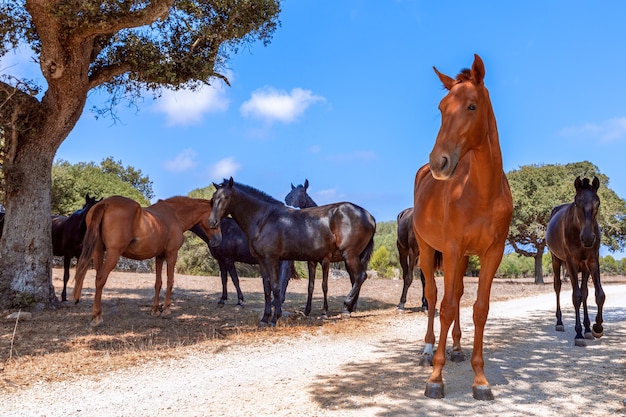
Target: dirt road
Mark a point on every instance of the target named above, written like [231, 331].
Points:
[534, 371]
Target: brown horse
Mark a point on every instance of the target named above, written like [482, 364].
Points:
[462, 207]
[120, 227]
[409, 254]
[573, 237]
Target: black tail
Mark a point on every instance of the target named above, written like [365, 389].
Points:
[89, 243]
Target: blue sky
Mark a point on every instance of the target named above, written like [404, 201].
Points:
[345, 96]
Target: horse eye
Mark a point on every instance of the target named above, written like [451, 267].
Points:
[471, 107]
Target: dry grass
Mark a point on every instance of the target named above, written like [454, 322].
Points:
[59, 345]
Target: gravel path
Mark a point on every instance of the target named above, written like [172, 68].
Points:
[534, 371]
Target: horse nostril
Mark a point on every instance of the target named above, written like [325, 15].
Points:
[443, 163]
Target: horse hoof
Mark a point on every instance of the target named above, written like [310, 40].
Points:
[597, 330]
[155, 313]
[482, 392]
[457, 356]
[401, 310]
[427, 360]
[95, 323]
[345, 314]
[559, 328]
[263, 324]
[221, 302]
[589, 336]
[580, 342]
[434, 390]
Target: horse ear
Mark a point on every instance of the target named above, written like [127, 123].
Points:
[448, 82]
[578, 183]
[595, 184]
[478, 70]
[292, 187]
[230, 182]
[306, 184]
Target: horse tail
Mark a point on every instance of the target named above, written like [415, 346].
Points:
[367, 253]
[91, 239]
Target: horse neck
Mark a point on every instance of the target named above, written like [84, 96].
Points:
[191, 212]
[245, 209]
[485, 167]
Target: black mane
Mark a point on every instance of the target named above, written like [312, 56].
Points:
[254, 191]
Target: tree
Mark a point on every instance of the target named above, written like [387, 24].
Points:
[70, 183]
[537, 189]
[120, 47]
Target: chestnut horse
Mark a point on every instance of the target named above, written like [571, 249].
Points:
[409, 254]
[119, 226]
[462, 207]
[573, 238]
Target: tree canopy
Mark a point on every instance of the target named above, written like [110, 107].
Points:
[71, 182]
[119, 47]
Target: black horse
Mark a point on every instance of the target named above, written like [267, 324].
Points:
[409, 253]
[573, 238]
[67, 237]
[334, 232]
[234, 248]
[299, 198]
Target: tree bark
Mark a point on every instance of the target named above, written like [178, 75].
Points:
[539, 267]
[26, 247]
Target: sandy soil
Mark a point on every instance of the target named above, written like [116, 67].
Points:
[363, 366]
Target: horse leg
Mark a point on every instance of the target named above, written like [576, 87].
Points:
[273, 267]
[268, 296]
[572, 269]
[584, 291]
[325, 268]
[453, 276]
[556, 269]
[170, 265]
[235, 278]
[489, 263]
[224, 279]
[102, 275]
[286, 269]
[157, 285]
[358, 277]
[598, 330]
[67, 259]
[424, 300]
[427, 267]
[456, 354]
[309, 301]
[407, 276]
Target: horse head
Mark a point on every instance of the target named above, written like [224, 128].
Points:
[221, 202]
[587, 204]
[298, 197]
[465, 114]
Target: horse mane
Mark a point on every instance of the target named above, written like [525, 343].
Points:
[464, 75]
[586, 184]
[254, 191]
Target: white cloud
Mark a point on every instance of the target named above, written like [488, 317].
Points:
[225, 168]
[185, 107]
[183, 161]
[272, 105]
[611, 130]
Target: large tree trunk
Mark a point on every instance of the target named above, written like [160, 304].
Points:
[539, 267]
[26, 247]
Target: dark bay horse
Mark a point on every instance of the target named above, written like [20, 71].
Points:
[409, 254]
[234, 248]
[276, 232]
[118, 226]
[462, 207]
[67, 238]
[573, 238]
[299, 198]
